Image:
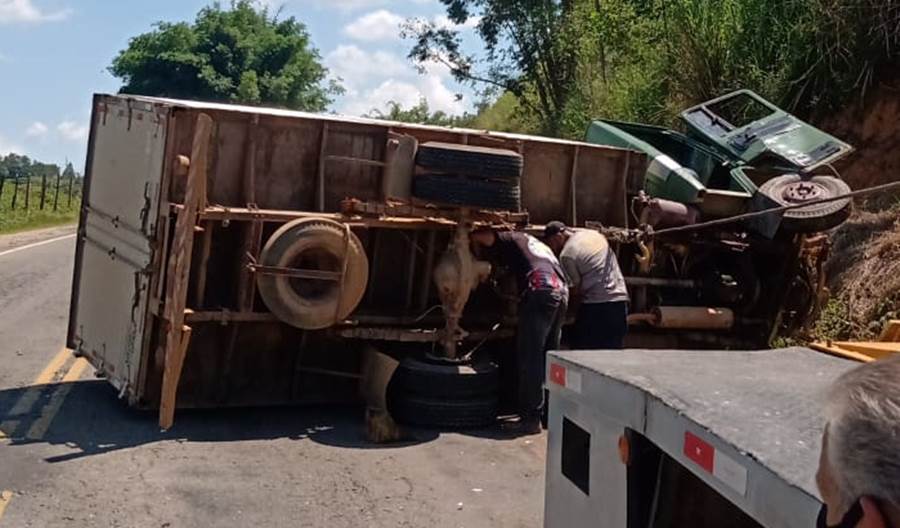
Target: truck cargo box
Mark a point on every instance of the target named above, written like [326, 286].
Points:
[180, 197]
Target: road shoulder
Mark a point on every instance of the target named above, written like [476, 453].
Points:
[23, 238]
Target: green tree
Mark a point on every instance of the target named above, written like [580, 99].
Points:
[69, 172]
[421, 114]
[527, 51]
[240, 54]
[566, 62]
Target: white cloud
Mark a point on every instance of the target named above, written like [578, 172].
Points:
[349, 5]
[439, 96]
[72, 131]
[444, 22]
[357, 67]
[375, 26]
[37, 129]
[406, 93]
[374, 78]
[384, 25]
[403, 93]
[12, 11]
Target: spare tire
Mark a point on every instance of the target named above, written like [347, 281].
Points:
[792, 189]
[467, 159]
[460, 190]
[449, 380]
[313, 244]
[443, 413]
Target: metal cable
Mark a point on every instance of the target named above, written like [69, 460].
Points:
[774, 210]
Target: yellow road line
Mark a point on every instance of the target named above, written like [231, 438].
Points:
[49, 372]
[48, 413]
[31, 395]
[5, 497]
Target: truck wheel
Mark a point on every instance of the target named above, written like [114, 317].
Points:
[791, 189]
[448, 380]
[445, 413]
[468, 159]
[313, 244]
[460, 190]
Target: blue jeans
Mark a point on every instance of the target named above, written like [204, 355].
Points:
[541, 315]
[600, 326]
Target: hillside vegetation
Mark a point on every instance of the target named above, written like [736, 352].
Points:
[565, 62]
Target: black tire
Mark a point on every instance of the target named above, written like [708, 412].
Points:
[460, 190]
[443, 413]
[448, 380]
[314, 243]
[467, 159]
[791, 189]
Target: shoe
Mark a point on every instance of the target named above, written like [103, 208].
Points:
[523, 426]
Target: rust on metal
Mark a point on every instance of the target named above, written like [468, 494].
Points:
[320, 172]
[359, 161]
[415, 335]
[203, 265]
[448, 215]
[573, 187]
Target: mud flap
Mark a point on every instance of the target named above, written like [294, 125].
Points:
[378, 369]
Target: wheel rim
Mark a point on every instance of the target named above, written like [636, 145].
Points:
[803, 192]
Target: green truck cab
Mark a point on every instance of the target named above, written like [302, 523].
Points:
[740, 153]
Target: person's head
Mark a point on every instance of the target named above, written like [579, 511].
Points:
[859, 467]
[484, 237]
[556, 234]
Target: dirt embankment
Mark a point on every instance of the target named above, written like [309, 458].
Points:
[864, 269]
[872, 127]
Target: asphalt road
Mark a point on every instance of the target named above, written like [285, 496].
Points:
[72, 455]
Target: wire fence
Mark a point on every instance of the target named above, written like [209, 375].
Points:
[47, 191]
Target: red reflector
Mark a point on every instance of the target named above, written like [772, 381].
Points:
[558, 374]
[699, 451]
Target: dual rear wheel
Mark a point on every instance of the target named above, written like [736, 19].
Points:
[435, 393]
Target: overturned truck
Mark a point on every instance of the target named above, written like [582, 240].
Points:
[234, 255]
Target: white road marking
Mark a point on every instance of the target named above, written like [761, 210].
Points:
[34, 245]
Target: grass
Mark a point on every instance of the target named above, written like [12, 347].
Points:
[21, 219]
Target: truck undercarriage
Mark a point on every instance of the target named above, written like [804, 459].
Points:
[246, 256]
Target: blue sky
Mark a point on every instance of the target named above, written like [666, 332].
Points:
[54, 55]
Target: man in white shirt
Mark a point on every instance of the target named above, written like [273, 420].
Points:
[596, 285]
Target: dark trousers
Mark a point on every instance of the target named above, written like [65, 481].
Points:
[541, 315]
[600, 326]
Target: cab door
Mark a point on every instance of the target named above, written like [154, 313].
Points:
[745, 126]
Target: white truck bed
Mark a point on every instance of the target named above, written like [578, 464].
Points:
[747, 423]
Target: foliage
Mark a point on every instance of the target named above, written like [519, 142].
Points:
[528, 52]
[834, 322]
[505, 115]
[569, 61]
[18, 219]
[421, 114]
[239, 55]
